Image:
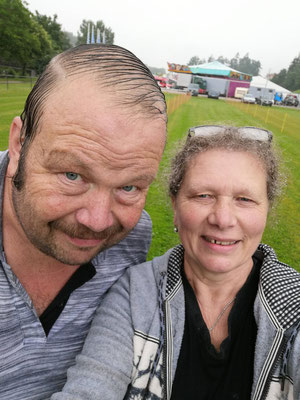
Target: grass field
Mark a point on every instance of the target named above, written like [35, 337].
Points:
[282, 232]
[11, 104]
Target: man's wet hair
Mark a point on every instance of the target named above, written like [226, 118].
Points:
[113, 68]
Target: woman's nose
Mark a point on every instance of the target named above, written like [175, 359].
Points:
[222, 214]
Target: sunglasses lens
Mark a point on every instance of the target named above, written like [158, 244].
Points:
[247, 132]
[254, 134]
[207, 130]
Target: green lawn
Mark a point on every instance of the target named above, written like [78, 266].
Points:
[283, 230]
[12, 102]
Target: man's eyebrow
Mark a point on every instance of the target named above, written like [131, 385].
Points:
[57, 156]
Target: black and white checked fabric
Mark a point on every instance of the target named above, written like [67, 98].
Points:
[281, 287]
[174, 268]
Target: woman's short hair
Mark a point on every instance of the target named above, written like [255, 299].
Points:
[229, 140]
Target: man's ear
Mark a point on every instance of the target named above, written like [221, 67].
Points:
[14, 145]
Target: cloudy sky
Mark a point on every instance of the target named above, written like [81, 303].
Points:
[161, 31]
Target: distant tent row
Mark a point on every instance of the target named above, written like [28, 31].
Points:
[216, 68]
[218, 75]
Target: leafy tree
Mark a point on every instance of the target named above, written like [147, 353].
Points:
[60, 40]
[72, 38]
[195, 60]
[211, 59]
[223, 60]
[157, 71]
[245, 64]
[234, 62]
[280, 78]
[290, 79]
[82, 35]
[24, 42]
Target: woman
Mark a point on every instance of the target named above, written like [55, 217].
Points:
[218, 316]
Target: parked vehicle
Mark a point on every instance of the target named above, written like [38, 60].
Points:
[184, 80]
[193, 89]
[249, 98]
[240, 92]
[162, 81]
[213, 94]
[265, 101]
[291, 100]
[217, 84]
[262, 93]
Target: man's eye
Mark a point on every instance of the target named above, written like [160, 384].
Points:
[129, 188]
[72, 176]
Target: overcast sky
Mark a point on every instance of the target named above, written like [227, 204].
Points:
[161, 31]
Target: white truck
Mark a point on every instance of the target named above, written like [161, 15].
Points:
[217, 84]
[184, 80]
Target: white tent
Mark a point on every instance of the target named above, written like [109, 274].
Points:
[260, 82]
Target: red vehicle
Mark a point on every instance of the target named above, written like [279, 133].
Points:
[162, 82]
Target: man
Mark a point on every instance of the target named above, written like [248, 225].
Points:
[74, 182]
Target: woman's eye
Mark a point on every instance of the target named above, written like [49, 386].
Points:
[72, 176]
[129, 188]
[245, 199]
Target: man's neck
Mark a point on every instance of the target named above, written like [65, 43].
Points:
[42, 276]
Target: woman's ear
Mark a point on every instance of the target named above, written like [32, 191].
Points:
[14, 145]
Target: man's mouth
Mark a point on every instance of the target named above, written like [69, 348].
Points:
[220, 242]
[85, 242]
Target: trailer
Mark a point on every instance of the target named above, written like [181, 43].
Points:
[262, 93]
[240, 92]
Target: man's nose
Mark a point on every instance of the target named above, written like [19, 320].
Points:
[222, 214]
[96, 212]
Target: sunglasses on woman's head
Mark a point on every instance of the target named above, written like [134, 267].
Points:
[247, 132]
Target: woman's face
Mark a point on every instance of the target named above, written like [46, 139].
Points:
[221, 210]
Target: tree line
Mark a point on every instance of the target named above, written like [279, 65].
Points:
[29, 41]
[289, 78]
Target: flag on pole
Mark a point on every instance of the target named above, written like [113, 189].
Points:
[98, 36]
[88, 35]
[103, 37]
[93, 35]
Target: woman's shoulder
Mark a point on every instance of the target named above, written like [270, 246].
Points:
[272, 265]
[280, 287]
[157, 266]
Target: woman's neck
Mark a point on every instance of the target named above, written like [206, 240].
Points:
[216, 293]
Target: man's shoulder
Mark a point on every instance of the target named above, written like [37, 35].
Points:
[3, 160]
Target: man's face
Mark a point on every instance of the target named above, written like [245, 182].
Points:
[86, 173]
